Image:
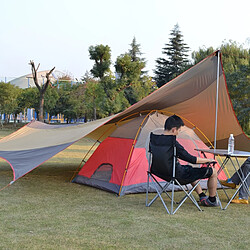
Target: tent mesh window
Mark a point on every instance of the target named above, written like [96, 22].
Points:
[103, 172]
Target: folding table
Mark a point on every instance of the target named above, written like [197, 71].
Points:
[233, 158]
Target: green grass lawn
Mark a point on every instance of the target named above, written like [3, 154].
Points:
[43, 210]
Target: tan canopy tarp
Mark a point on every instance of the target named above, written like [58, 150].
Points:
[35, 143]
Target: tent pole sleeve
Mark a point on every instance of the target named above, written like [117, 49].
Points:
[217, 97]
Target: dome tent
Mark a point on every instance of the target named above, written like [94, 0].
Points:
[120, 163]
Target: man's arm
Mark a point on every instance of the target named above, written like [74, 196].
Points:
[185, 156]
[203, 160]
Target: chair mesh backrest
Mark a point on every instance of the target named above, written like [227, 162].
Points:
[162, 149]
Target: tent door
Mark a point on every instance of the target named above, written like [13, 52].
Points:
[103, 172]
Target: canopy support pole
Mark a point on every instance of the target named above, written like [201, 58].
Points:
[217, 96]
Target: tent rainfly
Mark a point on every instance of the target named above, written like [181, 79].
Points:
[192, 95]
[120, 163]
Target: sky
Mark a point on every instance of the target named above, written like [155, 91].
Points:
[59, 32]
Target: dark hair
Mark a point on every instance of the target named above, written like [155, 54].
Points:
[173, 121]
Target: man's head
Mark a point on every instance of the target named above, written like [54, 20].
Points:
[173, 124]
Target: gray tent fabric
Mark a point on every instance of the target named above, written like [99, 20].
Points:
[23, 161]
[35, 143]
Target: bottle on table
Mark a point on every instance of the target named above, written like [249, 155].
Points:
[230, 148]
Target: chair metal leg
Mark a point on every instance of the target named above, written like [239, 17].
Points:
[158, 195]
[172, 199]
[231, 199]
[147, 191]
[162, 189]
[158, 192]
[187, 196]
[219, 200]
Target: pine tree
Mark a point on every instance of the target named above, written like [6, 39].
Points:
[135, 51]
[132, 80]
[175, 61]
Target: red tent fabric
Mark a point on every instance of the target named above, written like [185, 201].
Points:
[120, 164]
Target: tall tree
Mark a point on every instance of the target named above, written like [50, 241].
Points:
[92, 98]
[42, 89]
[130, 80]
[135, 51]
[175, 60]
[50, 99]
[67, 100]
[101, 55]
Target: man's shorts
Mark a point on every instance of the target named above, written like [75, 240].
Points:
[186, 174]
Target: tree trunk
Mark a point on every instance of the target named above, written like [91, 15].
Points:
[6, 121]
[94, 113]
[94, 109]
[15, 118]
[41, 103]
[41, 89]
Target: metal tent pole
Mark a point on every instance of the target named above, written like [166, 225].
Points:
[217, 96]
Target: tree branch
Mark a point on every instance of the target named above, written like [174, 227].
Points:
[45, 86]
[37, 67]
[34, 73]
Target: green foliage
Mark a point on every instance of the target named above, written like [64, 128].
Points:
[239, 88]
[132, 80]
[92, 99]
[108, 95]
[139, 89]
[67, 100]
[101, 55]
[202, 53]
[175, 60]
[113, 101]
[86, 77]
[128, 69]
[8, 98]
[135, 51]
[29, 98]
[102, 98]
[233, 56]
[50, 99]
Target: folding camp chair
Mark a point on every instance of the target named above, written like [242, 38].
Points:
[162, 162]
